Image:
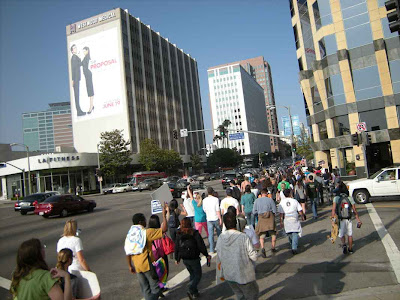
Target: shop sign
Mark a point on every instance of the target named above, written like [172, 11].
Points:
[58, 159]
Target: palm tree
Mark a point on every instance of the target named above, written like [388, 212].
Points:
[217, 138]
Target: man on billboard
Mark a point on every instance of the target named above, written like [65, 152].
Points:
[76, 64]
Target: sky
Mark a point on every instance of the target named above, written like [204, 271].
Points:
[33, 47]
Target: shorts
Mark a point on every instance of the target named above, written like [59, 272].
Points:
[302, 200]
[263, 235]
[345, 228]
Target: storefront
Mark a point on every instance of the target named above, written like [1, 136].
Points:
[61, 172]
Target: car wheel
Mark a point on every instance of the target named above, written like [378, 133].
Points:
[23, 212]
[64, 213]
[90, 208]
[150, 188]
[140, 190]
[361, 196]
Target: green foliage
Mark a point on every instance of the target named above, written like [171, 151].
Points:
[155, 159]
[303, 146]
[224, 158]
[115, 156]
[197, 163]
[223, 132]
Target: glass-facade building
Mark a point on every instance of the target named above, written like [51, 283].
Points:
[45, 130]
[349, 65]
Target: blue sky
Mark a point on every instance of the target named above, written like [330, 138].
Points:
[33, 52]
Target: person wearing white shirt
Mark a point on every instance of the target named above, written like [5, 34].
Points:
[213, 214]
[229, 201]
[289, 210]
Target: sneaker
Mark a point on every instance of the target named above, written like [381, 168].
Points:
[263, 255]
[273, 250]
[294, 252]
[190, 295]
[350, 251]
[344, 249]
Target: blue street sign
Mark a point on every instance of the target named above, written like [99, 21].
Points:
[3, 165]
[236, 136]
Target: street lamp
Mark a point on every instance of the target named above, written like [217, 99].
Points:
[291, 127]
[98, 166]
[29, 165]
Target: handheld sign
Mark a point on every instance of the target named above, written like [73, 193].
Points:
[162, 193]
[156, 207]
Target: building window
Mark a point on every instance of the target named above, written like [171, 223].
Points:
[341, 125]
[375, 119]
[347, 163]
[322, 13]
[323, 133]
[327, 45]
[367, 83]
[394, 66]
[296, 36]
[335, 90]
[386, 31]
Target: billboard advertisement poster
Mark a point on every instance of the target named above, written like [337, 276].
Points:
[95, 82]
[296, 125]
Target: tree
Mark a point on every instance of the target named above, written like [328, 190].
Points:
[156, 159]
[197, 163]
[115, 156]
[217, 138]
[223, 133]
[224, 158]
[303, 145]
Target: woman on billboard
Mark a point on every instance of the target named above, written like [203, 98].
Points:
[88, 76]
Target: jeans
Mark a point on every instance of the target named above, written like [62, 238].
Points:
[293, 239]
[148, 285]
[314, 202]
[210, 226]
[194, 268]
[250, 219]
[245, 291]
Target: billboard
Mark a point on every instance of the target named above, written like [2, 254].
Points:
[296, 125]
[95, 76]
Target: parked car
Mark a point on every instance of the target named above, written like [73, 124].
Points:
[198, 188]
[29, 202]
[148, 184]
[384, 183]
[204, 177]
[108, 189]
[177, 187]
[122, 188]
[62, 205]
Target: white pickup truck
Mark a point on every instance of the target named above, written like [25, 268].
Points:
[385, 182]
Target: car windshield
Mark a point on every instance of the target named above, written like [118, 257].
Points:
[33, 197]
[375, 174]
[147, 181]
[52, 199]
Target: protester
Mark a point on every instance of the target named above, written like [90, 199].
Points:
[200, 218]
[243, 226]
[235, 190]
[320, 183]
[247, 202]
[312, 194]
[265, 208]
[189, 245]
[157, 245]
[300, 195]
[71, 241]
[229, 201]
[289, 210]
[173, 220]
[237, 256]
[244, 183]
[139, 254]
[187, 204]
[284, 180]
[32, 278]
[343, 207]
[213, 215]
[64, 260]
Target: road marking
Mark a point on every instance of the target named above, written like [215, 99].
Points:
[391, 249]
[5, 283]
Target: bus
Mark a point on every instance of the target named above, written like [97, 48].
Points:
[138, 177]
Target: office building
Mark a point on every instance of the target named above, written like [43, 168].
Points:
[349, 65]
[236, 96]
[131, 79]
[46, 130]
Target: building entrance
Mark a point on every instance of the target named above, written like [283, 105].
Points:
[379, 155]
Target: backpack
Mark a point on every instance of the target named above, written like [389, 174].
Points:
[344, 208]
[135, 240]
[168, 244]
[236, 193]
[173, 221]
[312, 190]
[188, 247]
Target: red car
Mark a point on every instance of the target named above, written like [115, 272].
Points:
[62, 205]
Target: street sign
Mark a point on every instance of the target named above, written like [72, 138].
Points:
[184, 132]
[3, 165]
[236, 136]
[99, 178]
[362, 126]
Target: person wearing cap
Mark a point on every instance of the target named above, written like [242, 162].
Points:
[213, 215]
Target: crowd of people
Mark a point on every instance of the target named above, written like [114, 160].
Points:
[241, 221]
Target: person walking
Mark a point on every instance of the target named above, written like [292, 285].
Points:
[189, 246]
[229, 201]
[265, 208]
[187, 205]
[235, 190]
[213, 215]
[300, 195]
[312, 194]
[200, 218]
[139, 254]
[247, 202]
[289, 210]
[173, 220]
[157, 246]
[237, 256]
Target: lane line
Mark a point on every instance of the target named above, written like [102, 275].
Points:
[391, 249]
[5, 283]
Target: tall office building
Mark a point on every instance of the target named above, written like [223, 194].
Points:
[124, 75]
[47, 130]
[349, 73]
[236, 96]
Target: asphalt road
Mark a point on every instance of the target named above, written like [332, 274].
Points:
[320, 268]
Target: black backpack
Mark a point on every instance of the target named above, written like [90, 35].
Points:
[341, 210]
[188, 247]
[173, 221]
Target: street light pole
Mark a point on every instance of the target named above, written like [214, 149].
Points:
[98, 165]
[29, 166]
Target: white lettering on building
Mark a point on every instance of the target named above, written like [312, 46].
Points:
[97, 20]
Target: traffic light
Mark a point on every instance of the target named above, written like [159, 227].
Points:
[99, 173]
[368, 139]
[222, 132]
[294, 147]
[354, 139]
[175, 134]
[394, 16]
[32, 177]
